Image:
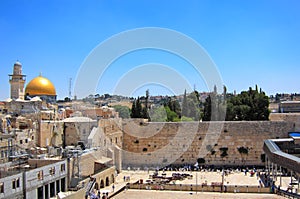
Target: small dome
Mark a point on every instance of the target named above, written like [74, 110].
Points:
[36, 99]
[40, 86]
[18, 63]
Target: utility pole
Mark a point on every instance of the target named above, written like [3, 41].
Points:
[70, 87]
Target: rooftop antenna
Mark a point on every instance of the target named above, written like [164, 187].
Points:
[70, 86]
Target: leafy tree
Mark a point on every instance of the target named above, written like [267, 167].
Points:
[174, 105]
[186, 119]
[171, 115]
[124, 111]
[248, 105]
[158, 114]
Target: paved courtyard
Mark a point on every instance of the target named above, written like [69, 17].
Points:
[233, 178]
[138, 194]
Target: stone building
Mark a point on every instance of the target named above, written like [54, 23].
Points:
[33, 179]
[50, 133]
[77, 129]
[289, 107]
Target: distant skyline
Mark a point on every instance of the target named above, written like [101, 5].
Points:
[251, 42]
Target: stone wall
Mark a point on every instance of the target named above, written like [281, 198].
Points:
[50, 133]
[218, 143]
[288, 117]
[78, 131]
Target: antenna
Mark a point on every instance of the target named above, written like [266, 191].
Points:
[70, 87]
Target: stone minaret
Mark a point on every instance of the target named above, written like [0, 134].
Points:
[17, 81]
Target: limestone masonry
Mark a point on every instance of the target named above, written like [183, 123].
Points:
[217, 143]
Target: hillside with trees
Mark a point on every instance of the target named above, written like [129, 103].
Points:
[249, 105]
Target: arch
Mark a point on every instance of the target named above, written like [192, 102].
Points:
[107, 181]
[112, 178]
[101, 184]
[96, 186]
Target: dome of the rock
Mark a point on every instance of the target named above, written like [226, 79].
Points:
[40, 86]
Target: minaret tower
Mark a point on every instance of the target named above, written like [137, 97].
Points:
[17, 81]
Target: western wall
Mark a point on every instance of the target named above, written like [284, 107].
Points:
[231, 143]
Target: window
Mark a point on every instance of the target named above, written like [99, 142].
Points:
[62, 167]
[40, 175]
[52, 170]
[1, 187]
[26, 140]
[32, 137]
[13, 184]
[16, 183]
[21, 141]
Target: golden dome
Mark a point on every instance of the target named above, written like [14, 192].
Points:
[40, 86]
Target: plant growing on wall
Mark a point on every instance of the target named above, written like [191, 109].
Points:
[224, 152]
[201, 161]
[243, 151]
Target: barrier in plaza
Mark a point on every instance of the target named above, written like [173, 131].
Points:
[201, 188]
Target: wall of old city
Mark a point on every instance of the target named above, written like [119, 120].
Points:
[288, 117]
[161, 144]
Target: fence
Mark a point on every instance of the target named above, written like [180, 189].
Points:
[202, 188]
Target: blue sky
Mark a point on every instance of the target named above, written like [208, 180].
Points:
[251, 42]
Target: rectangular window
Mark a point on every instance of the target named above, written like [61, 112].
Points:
[16, 183]
[40, 175]
[21, 141]
[62, 167]
[26, 140]
[52, 170]
[1, 187]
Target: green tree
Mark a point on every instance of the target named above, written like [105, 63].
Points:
[186, 119]
[207, 109]
[248, 105]
[158, 114]
[184, 109]
[136, 110]
[171, 115]
[174, 105]
[124, 111]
